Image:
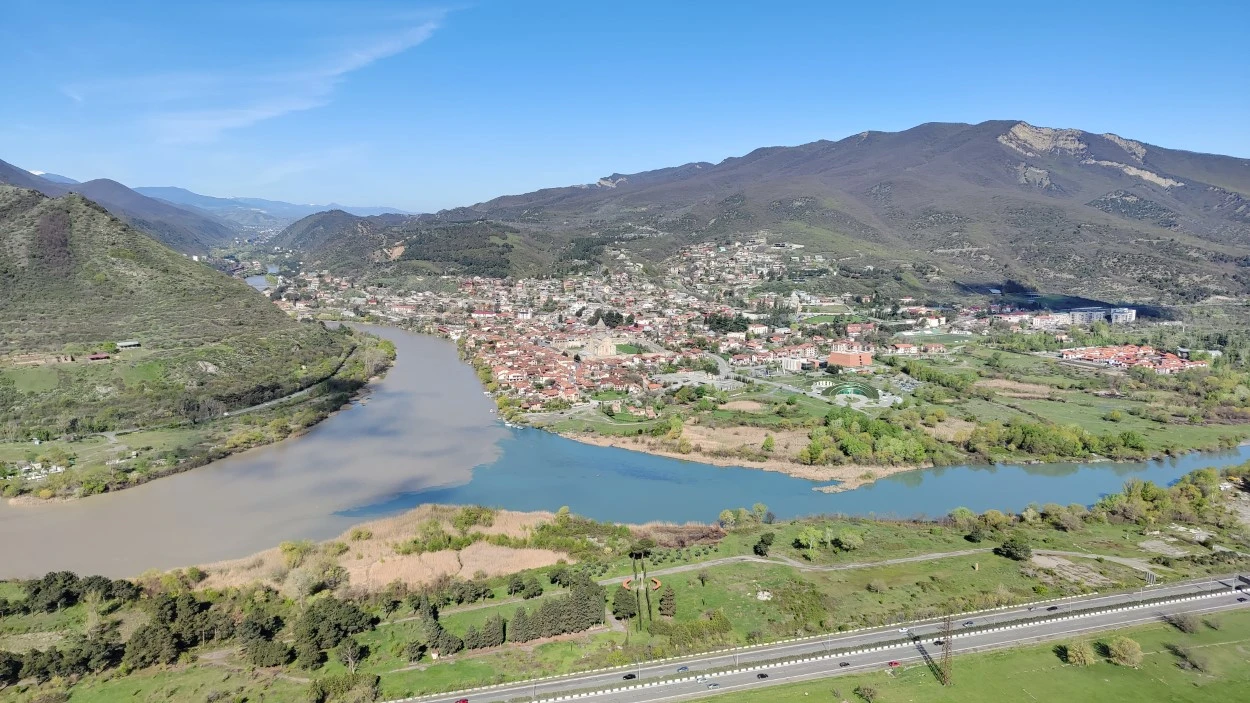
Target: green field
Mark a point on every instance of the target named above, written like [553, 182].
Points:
[1036, 673]
[629, 349]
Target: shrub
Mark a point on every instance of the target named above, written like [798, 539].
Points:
[868, 693]
[1015, 548]
[265, 653]
[1125, 651]
[1184, 622]
[1080, 654]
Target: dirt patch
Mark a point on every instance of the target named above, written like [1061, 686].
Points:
[951, 429]
[30, 640]
[481, 557]
[1016, 389]
[1161, 546]
[1070, 571]
[679, 536]
[749, 406]
[373, 563]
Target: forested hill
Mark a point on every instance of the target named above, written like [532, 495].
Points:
[75, 280]
[1061, 209]
[344, 243]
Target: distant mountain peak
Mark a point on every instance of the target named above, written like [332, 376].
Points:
[55, 177]
[1135, 149]
[1032, 141]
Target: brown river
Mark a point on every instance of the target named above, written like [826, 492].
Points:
[252, 501]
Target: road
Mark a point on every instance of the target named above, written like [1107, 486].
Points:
[550, 687]
[923, 653]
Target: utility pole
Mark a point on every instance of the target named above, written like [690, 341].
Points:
[948, 631]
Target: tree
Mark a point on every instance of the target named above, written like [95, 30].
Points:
[150, 644]
[532, 589]
[668, 602]
[493, 631]
[769, 443]
[624, 604]
[1125, 652]
[868, 693]
[265, 653]
[1080, 654]
[1015, 548]
[765, 542]
[727, 518]
[704, 576]
[849, 540]
[10, 667]
[350, 653]
[414, 650]
[638, 553]
[962, 517]
[516, 584]
[520, 630]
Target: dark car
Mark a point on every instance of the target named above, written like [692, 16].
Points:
[682, 668]
[968, 623]
[761, 676]
[1052, 608]
[1241, 600]
[844, 663]
[629, 676]
[938, 642]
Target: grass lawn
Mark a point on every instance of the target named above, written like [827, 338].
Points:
[938, 338]
[629, 349]
[1089, 411]
[185, 683]
[1037, 674]
[823, 319]
[32, 379]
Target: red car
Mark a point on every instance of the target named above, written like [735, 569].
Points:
[893, 663]
[463, 700]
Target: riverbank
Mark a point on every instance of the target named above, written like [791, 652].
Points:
[844, 477]
[103, 463]
[371, 554]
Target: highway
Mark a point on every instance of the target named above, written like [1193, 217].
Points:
[969, 639]
[918, 654]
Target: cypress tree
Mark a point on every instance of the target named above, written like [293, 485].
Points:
[520, 630]
[668, 602]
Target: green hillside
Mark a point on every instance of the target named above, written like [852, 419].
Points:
[74, 281]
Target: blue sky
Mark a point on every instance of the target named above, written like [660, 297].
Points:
[425, 106]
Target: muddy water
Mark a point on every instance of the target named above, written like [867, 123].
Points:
[424, 426]
[425, 434]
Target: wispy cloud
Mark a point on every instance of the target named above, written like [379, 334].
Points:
[193, 107]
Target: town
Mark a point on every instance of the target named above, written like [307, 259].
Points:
[549, 344]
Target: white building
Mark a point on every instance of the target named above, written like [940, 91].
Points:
[1123, 316]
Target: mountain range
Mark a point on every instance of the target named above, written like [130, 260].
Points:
[254, 212]
[184, 230]
[939, 205]
[188, 222]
